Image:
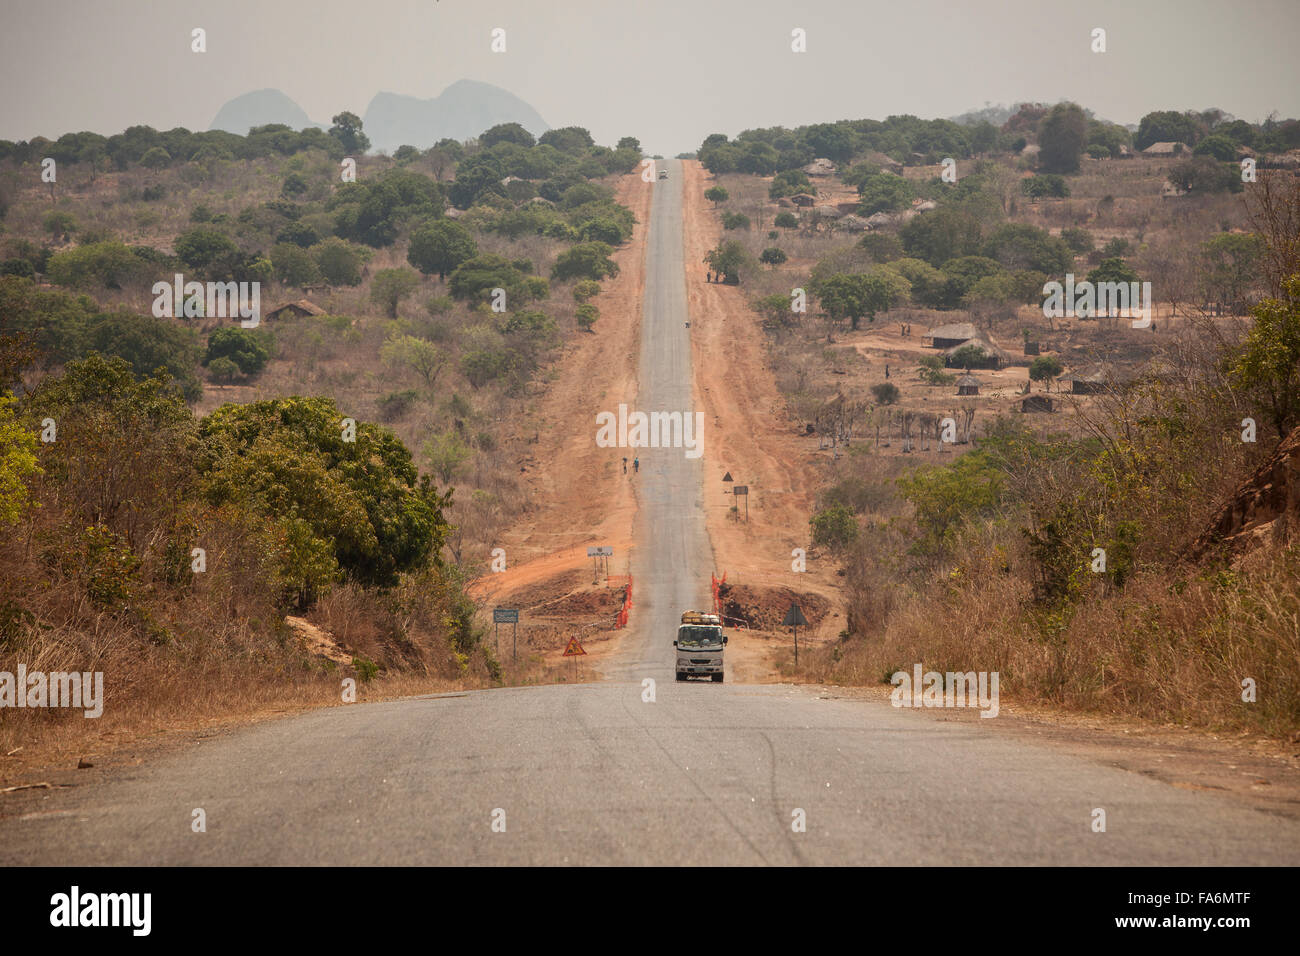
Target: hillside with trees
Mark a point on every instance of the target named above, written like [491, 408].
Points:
[1059, 495]
[190, 493]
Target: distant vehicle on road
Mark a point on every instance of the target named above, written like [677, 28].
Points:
[699, 646]
[663, 174]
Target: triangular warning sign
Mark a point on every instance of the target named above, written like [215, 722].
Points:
[574, 648]
[727, 477]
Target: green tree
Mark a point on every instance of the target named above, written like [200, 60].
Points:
[728, 260]
[362, 499]
[854, 296]
[1202, 174]
[881, 246]
[223, 370]
[155, 158]
[109, 264]
[1049, 184]
[17, 462]
[1079, 240]
[586, 260]
[1045, 368]
[941, 235]
[586, 289]
[1107, 138]
[772, 256]
[946, 497]
[790, 182]
[1165, 126]
[125, 448]
[506, 133]
[419, 355]
[1267, 364]
[445, 453]
[716, 194]
[339, 261]
[347, 132]
[204, 248]
[1217, 147]
[483, 273]
[786, 220]
[586, 314]
[1113, 270]
[932, 371]
[884, 192]
[294, 265]
[245, 348]
[148, 344]
[735, 220]
[390, 287]
[1061, 138]
[835, 527]
[60, 224]
[440, 247]
[1022, 246]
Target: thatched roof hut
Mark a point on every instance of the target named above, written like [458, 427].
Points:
[820, 167]
[295, 309]
[958, 356]
[1165, 149]
[1089, 380]
[946, 336]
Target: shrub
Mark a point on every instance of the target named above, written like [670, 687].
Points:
[245, 348]
[587, 260]
[886, 393]
[835, 527]
[586, 289]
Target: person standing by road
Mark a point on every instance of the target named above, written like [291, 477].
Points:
[636, 464]
[625, 464]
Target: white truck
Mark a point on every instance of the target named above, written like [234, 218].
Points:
[699, 646]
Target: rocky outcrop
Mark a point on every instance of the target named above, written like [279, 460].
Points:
[1262, 506]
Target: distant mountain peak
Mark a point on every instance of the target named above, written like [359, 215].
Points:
[259, 108]
[463, 110]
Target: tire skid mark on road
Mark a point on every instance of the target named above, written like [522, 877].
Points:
[686, 774]
[776, 808]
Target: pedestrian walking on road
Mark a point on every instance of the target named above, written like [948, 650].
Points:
[625, 464]
[636, 464]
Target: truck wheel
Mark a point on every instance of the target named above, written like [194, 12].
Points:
[717, 678]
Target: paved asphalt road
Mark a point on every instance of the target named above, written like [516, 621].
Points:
[706, 774]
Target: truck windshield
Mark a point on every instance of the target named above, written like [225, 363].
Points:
[695, 636]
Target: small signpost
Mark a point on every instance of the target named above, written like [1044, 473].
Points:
[793, 618]
[506, 615]
[600, 552]
[574, 650]
[743, 490]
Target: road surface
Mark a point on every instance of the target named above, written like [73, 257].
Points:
[598, 774]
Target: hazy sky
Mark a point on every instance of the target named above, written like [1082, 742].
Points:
[666, 71]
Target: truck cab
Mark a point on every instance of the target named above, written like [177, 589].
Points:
[699, 646]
